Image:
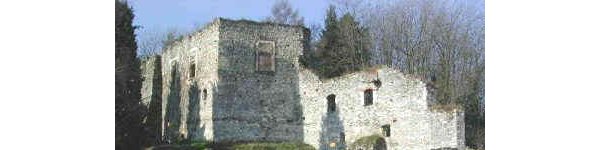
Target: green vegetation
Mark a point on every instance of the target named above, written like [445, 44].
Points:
[273, 146]
[441, 42]
[129, 112]
[343, 47]
[199, 145]
[186, 145]
[368, 141]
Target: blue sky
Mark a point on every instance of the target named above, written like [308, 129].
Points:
[157, 16]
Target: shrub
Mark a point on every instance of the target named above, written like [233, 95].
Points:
[369, 142]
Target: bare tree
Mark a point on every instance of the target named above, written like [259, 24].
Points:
[440, 40]
[150, 44]
[315, 31]
[282, 12]
[153, 42]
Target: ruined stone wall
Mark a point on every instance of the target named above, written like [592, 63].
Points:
[228, 100]
[187, 100]
[447, 129]
[399, 102]
[150, 75]
[252, 105]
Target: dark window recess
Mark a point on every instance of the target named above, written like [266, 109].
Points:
[204, 94]
[265, 59]
[385, 130]
[173, 70]
[331, 103]
[368, 97]
[192, 70]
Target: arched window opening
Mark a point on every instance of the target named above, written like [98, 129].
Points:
[331, 103]
[368, 97]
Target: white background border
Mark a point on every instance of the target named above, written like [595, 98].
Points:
[542, 60]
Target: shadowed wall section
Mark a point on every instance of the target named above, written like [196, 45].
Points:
[173, 107]
[188, 68]
[193, 115]
[332, 132]
[151, 96]
[253, 104]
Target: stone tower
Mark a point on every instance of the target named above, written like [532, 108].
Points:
[244, 81]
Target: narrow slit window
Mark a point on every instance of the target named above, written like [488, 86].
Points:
[331, 103]
[368, 97]
[192, 70]
[204, 94]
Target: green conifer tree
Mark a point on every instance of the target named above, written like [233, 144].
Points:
[129, 111]
[344, 46]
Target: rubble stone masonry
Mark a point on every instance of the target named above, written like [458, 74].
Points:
[213, 88]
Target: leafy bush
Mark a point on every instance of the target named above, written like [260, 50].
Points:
[369, 142]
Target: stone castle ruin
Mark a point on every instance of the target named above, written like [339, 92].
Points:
[241, 81]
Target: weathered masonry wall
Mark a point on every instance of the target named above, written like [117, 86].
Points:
[399, 103]
[188, 96]
[151, 93]
[150, 79]
[258, 106]
[447, 129]
[239, 81]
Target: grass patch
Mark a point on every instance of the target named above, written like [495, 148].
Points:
[273, 146]
[199, 145]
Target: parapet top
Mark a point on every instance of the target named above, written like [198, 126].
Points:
[246, 21]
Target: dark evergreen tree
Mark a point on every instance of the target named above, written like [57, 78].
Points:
[129, 111]
[355, 43]
[329, 46]
[344, 46]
